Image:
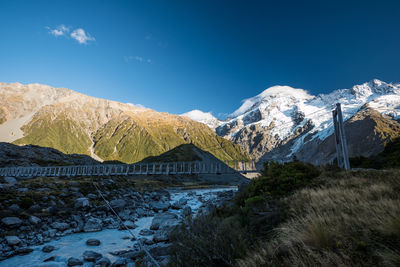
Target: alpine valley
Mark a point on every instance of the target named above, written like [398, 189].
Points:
[281, 123]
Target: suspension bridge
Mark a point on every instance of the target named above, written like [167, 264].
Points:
[154, 168]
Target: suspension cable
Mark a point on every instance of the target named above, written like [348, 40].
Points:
[142, 246]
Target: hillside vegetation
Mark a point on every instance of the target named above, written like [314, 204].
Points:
[75, 123]
[298, 215]
[388, 158]
[127, 138]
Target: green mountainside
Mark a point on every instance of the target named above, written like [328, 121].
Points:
[62, 133]
[133, 139]
[75, 123]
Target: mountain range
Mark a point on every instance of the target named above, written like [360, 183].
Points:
[281, 123]
[106, 130]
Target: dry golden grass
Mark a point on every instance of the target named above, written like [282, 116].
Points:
[351, 219]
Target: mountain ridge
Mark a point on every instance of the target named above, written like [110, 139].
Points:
[75, 123]
[280, 114]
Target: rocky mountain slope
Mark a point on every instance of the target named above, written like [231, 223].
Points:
[106, 130]
[284, 122]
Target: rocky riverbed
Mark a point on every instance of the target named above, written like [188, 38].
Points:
[62, 223]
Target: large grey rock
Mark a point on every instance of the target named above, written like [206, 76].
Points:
[79, 224]
[34, 220]
[11, 222]
[60, 226]
[180, 203]
[74, 262]
[34, 208]
[92, 196]
[92, 256]
[47, 249]
[156, 206]
[82, 202]
[110, 223]
[120, 263]
[93, 225]
[132, 254]
[162, 235]
[15, 208]
[23, 251]
[164, 219]
[146, 232]
[118, 204]
[93, 242]
[103, 262]
[13, 240]
[130, 225]
[125, 214]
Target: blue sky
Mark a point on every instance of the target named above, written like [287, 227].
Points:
[176, 56]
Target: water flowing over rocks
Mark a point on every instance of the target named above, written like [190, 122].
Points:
[87, 231]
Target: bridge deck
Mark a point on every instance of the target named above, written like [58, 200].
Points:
[170, 168]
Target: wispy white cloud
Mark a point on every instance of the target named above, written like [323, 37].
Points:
[78, 34]
[60, 30]
[81, 36]
[139, 59]
[127, 59]
[136, 105]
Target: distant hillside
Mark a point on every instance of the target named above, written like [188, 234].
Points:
[388, 158]
[30, 155]
[186, 152]
[106, 130]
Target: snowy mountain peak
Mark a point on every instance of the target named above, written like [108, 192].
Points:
[281, 113]
[274, 95]
[283, 91]
[203, 117]
[374, 86]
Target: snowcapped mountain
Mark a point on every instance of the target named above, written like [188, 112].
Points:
[204, 117]
[282, 115]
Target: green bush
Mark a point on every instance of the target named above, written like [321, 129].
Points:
[279, 180]
[230, 232]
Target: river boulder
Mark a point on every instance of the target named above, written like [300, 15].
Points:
[93, 225]
[11, 222]
[164, 219]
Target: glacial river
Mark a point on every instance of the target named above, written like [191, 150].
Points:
[111, 239]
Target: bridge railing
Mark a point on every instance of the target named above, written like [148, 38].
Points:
[242, 166]
[153, 168]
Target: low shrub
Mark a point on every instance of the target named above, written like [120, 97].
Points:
[228, 233]
[278, 180]
[209, 241]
